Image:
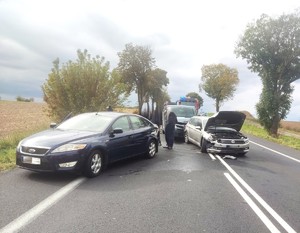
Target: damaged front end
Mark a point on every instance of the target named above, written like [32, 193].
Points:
[221, 140]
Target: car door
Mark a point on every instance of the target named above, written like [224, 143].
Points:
[198, 132]
[120, 144]
[142, 131]
[195, 130]
[192, 129]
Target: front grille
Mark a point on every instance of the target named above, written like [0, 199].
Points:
[180, 125]
[231, 141]
[34, 150]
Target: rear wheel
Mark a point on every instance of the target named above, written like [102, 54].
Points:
[94, 164]
[203, 146]
[151, 150]
[186, 137]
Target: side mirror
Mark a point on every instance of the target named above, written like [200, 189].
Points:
[115, 131]
[198, 127]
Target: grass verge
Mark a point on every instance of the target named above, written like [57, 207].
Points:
[253, 129]
[8, 147]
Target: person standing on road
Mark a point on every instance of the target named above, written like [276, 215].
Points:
[170, 130]
[156, 120]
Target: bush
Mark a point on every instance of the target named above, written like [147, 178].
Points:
[22, 99]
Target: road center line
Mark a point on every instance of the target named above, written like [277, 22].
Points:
[277, 152]
[40, 208]
[251, 203]
[280, 220]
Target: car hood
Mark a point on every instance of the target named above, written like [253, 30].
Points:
[55, 137]
[183, 120]
[230, 119]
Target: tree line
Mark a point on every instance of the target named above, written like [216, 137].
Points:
[271, 47]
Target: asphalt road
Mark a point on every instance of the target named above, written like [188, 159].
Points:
[181, 190]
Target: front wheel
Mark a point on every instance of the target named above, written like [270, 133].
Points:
[94, 164]
[151, 150]
[186, 137]
[203, 146]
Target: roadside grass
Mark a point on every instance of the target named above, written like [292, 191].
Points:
[8, 147]
[253, 129]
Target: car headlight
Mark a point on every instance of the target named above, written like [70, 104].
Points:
[69, 147]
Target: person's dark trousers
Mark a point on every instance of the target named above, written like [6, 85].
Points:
[170, 130]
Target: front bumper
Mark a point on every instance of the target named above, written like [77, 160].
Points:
[179, 130]
[70, 161]
[219, 148]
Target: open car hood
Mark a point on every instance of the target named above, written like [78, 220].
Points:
[230, 119]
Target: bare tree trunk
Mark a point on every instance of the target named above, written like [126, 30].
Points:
[274, 127]
[217, 105]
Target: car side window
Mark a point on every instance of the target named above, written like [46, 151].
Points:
[193, 121]
[198, 123]
[138, 122]
[122, 123]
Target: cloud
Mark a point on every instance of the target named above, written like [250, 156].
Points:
[183, 36]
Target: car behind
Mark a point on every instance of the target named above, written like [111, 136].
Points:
[88, 142]
[183, 114]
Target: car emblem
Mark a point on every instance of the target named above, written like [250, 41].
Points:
[31, 150]
[232, 141]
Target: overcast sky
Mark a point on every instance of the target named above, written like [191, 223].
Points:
[183, 35]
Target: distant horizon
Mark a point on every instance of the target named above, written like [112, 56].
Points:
[43, 102]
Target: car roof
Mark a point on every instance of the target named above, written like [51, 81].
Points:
[200, 117]
[108, 114]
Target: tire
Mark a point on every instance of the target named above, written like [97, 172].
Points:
[203, 146]
[95, 164]
[151, 149]
[186, 137]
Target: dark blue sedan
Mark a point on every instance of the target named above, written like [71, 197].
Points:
[88, 143]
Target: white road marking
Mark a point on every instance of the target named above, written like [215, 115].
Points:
[280, 220]
[251, 203]
[212, 156]
[40, 208]
[277, 152]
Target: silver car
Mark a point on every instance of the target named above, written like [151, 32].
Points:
[218, 134]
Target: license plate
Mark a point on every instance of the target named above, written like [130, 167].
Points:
[31, 160]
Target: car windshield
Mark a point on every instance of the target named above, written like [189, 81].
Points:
[183, 112]
[86, 122]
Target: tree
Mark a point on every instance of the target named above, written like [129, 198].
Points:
[219, 82]
[271, 47]
[157, 81]
[22, 99]
[82, 85]
[135, 65]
